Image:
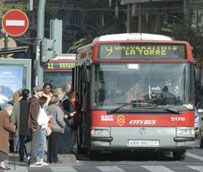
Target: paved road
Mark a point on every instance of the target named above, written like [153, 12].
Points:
[127, 162]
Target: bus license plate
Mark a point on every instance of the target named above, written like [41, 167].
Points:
[142, 143]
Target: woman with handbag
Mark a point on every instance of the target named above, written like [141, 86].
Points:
[58, 125]
[68, 110]
[69, 119]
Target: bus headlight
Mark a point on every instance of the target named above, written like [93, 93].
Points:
[185, 132]
[100, 132]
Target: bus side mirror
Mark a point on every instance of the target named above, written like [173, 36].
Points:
[85, 75]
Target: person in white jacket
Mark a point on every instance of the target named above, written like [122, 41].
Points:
[43, 120]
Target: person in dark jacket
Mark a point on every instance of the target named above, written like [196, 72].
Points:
[57, 125]
[33, 125]
[67, 108]
[20, 118]
[5, 127]
[73, 97]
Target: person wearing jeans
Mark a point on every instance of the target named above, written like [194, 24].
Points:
[43, 120]
[33, 162]
[41, 149]
[33, 125]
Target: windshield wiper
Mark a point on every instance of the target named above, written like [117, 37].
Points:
[118, 108]
[135, 103]
[169, 109]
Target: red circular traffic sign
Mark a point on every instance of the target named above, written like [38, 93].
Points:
[15, 22]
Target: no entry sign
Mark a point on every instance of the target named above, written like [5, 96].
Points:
[15, 22]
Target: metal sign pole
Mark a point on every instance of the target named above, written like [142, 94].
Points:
[5, 43]
[14, 149]
[40, 36]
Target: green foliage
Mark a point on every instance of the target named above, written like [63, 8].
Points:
[77, 44]
[95, 32]
[183, 29]
[96, 11]
[4, 7]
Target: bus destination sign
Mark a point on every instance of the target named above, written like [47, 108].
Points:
[141, 51]
[59, 66]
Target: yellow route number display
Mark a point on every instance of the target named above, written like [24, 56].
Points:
[141, 51]
[59, 66]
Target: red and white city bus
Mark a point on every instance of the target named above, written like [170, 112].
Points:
[58, 71]
[136, 92]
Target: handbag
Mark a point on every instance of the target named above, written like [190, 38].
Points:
[70, 122]
[48, 130]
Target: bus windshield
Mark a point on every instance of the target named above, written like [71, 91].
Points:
[58, 79]
[160, 83]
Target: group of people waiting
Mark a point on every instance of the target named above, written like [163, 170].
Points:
[47, 120]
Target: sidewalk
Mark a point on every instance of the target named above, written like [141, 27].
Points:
[66, 159]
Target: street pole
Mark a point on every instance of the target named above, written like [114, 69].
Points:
[186, 15]
[150, 17]
[5, 43]
[140, 19]
[128, 18]
[40, 35]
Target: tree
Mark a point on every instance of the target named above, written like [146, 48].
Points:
[4, 7]
[98, 18]
[179, 30]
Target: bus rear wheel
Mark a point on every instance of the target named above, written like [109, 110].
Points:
[179, 155]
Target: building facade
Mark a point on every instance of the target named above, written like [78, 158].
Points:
[150, 15]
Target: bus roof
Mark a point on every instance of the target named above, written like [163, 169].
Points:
[132, 36]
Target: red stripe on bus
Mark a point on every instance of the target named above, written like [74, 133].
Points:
[102, 119]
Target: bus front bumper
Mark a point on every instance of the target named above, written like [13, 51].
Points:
[124, 138]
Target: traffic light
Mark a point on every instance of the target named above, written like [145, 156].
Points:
[47, 49]
[56, 34]
[52, 47]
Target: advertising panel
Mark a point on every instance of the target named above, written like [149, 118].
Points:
[11, 80]
[15, 74]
